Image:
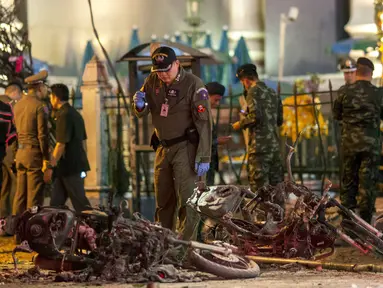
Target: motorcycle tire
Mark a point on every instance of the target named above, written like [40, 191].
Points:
[360, 233]
[231, 267]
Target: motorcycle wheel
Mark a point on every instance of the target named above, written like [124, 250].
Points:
[228, 267]
[362, 235]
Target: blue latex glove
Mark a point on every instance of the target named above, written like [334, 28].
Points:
[201, 168]
[139, 100]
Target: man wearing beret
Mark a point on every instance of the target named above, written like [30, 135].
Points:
[264, 116]
[179, 105]
[216, 92]
[360, 108]
[32, 157]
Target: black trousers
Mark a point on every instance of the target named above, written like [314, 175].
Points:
[70, 186]
[8, 189]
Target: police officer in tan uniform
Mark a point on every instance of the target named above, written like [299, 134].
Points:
[348, 67]
[32, 157]
[180, 108]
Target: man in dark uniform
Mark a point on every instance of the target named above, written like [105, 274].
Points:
[179, 104]
[13, 93]
[32, 157]
[7, 138]
[216, 92]
[348, 67]
[263, 118]
[360, 108]
[69, 154]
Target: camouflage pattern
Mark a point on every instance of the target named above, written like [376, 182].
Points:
[214, 158]
[264, 169]
[359, 108]
[264, 115]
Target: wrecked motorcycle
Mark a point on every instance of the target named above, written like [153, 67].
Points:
[112, 245]
[302, 233]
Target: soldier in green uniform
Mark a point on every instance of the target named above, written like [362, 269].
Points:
[32, 157]
[264, 116]
[348, 67]
[359, 106]
[216, 91]
[179, 104]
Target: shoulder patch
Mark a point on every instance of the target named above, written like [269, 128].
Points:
[202, 94]
[201, 109]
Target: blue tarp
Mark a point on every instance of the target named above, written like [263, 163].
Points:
[208, 72]
[344, 47]
[224, 48]
[241, 54]
[88, 54]
[134, 39]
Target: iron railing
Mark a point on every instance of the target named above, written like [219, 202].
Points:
[317, 157]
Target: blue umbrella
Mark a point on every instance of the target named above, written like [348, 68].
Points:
[208, 72]
[87, 56]
[189, 40]
[39, 65]
[122, 68]
[241, 54]
[224, 48]
[134, 39]
[177, 36]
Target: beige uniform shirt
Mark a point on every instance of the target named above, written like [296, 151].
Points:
[31, 120]
[188, 106]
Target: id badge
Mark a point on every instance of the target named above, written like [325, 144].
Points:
[164, 110]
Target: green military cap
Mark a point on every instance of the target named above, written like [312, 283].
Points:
[40, 77]
[246, 70]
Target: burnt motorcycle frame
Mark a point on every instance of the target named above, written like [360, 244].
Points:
[303, 234]
[66, 241]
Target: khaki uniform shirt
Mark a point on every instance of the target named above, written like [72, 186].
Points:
[31, 120]
[189, 106]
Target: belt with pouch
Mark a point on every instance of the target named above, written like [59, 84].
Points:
[171, 142]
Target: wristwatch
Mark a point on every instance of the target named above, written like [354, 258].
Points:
[49, 166]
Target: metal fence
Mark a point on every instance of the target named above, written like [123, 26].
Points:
[317, 156]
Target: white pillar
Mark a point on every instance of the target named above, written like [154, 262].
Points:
[246, 19]
[94, 89]
[362, 21]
